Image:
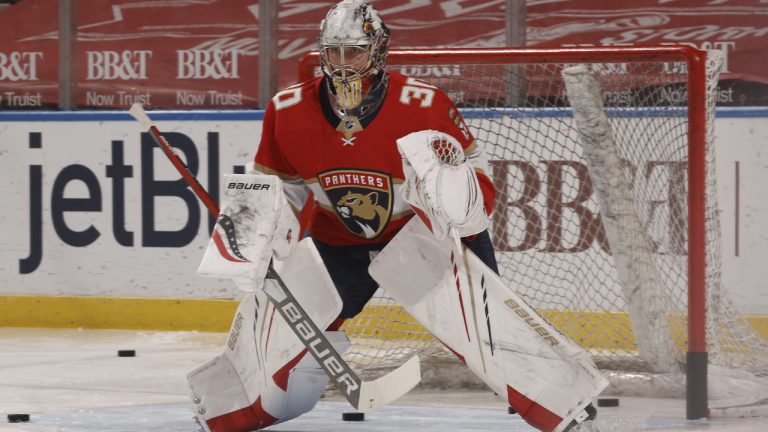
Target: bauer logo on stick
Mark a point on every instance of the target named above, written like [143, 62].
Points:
[320, 348]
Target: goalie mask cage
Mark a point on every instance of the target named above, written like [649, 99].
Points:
[605, 219]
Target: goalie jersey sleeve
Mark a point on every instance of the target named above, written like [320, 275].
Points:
[274, 163]
[355, 171]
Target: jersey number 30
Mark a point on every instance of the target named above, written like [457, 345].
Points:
[415, 89]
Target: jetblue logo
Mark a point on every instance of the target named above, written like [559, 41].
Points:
[19, 66]
[202, 64]
[117, 65]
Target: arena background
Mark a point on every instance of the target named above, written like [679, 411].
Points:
[191, 54]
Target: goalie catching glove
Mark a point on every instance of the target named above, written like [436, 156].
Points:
[441, 184]
[255, 221]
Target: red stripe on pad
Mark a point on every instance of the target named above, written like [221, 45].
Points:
[281, 376]
[458, 290]
[423, 216]
[533, 413]
[223, 249]
[243, 420]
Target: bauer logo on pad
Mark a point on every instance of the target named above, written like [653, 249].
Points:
[362, 199]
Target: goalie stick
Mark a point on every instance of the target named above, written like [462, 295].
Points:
[362, 395]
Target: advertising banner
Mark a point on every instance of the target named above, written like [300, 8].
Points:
[92, 207]
[204, 54]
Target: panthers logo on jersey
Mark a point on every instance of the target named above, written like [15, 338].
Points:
[362, 199]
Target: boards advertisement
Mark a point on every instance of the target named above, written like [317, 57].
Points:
[92, 206]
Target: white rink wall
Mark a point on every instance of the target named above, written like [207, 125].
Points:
[742, 176]
[137, 232]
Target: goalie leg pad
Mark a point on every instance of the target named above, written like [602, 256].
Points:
[544, 376]
[217, 384]
[227, 391]
[263, 377]
[307, 382]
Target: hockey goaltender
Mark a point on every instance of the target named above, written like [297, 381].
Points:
[374, 148]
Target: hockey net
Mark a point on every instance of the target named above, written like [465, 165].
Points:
[591, 222]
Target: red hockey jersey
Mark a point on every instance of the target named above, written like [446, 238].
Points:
[355, 175]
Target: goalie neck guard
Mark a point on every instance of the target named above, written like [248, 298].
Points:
[353, 52]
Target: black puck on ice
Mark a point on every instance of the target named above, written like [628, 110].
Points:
[18, 418]
[608, 402]
[126, 353]
[353, 416]
[511, 410]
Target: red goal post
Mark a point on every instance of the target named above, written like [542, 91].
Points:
[697, 108]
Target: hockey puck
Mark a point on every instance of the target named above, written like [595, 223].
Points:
[511, 410]
[18, 418]
[353, 416]
[126, 353]
[608, 402]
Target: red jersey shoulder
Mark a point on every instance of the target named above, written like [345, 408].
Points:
[290, 109]
[425, 101]
[416, 93]
[298, 99]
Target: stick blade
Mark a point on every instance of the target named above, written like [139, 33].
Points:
[137, 111]
[388, 388]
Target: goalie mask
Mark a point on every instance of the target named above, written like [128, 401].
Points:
[353, 52]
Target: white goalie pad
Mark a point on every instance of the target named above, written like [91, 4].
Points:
[263, 376]
[441, 183]
[546, 377]
[254, 222]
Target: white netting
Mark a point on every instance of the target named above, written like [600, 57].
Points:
[447, 152]
[551, 234]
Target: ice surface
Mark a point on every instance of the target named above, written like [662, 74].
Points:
[73, 381]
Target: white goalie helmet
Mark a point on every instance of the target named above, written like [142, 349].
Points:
[353, 51]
